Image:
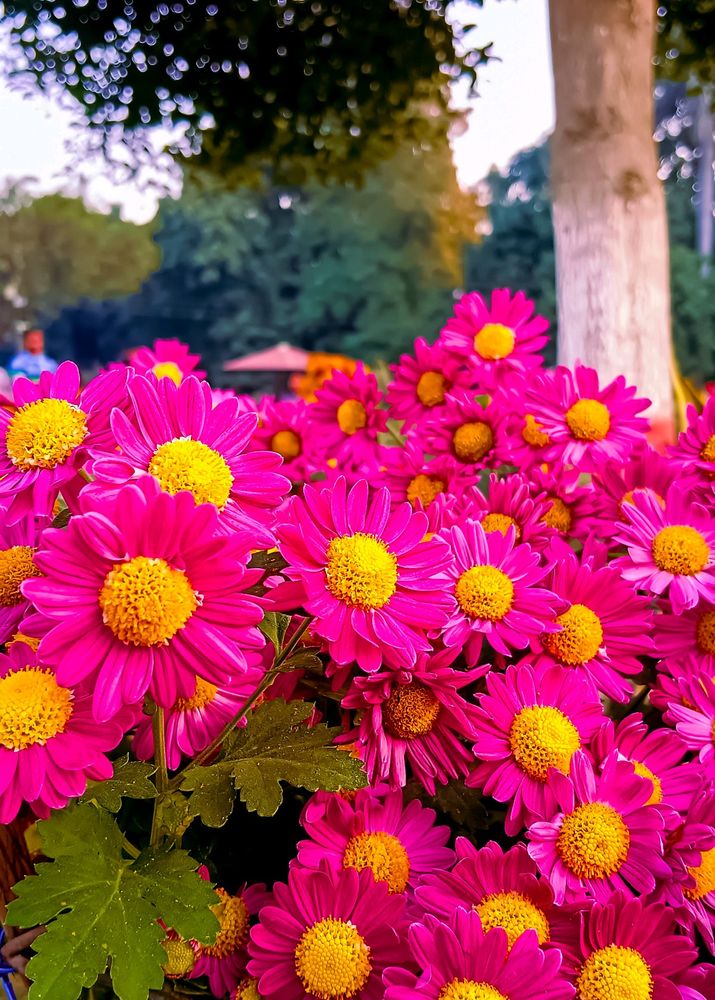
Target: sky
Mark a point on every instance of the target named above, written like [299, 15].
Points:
[514, 109]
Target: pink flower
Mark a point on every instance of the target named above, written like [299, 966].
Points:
[18, 543]
[615, 484]
[571, 506]
[167, 359]
[284, 427]
[694, 718]
[421, 382]
[224, 961]
[345, 418]
[469, 433]
[410, 476]
[695, 449]
[688, 639]
[526, 439]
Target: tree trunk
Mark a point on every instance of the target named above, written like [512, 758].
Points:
[610, 224]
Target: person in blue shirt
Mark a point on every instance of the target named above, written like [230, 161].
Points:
[32, 361]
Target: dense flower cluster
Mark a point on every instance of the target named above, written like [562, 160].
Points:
[511, 592]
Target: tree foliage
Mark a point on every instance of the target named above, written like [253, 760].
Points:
[686, 41]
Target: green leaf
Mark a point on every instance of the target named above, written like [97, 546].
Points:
[271, 562]
[304, 659]
[130, 781]
[274, 627]
[213, 793]
[101, 907]
[275, 746]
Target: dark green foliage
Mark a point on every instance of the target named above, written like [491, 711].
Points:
[686, 40]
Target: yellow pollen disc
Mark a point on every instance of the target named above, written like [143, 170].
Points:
[515, 913]
[287, 444]
[594, 841]
[708, 452]
[580, 638]
[469, 989]
[247, 989]
[500, 522]
[383, 854]
[30, 640]
[588, 420]
[558, 515]
[180, 957]
[332, 960]
[704, 876]
[431, 388]
[705, 633]
[533, 433]
[233, 920]
[43, 434]
[411, 711]
[645, 772]
[352, 416]
[145, 602]
[681, 550]
[425, 489]
[361, 571]
[16, 566]
[167, 369]
[542, 737]
[33, 708]
[615, 973]
[494, 341]
[485, 592]
[184, 464]
[472, 441]
[204, 694]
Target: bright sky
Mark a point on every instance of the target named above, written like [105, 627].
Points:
[513, 110]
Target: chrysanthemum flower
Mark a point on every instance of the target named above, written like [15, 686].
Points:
[605, 837]
[695, 448]
[571, 506]
[629, 950]
[605, 626]
[688, 639]
[494, 583]
[50, 744]
[284, 428]
[17, 548]
[44, 442]
[176, 435]
[409, 476]
[498, 338]
[328, 935]
[247, 989]
[615, 483]
[694, 718]
[422, 380]
[586, 424]
[372, 583]
[144, 595]
[398, 843]
[416, 718]
[459, 961]
[532, 719]
[471, 434]
[503, 888]
[346, 416]
[168, 359]
[526, 439]
[224, 961]
[670, 548]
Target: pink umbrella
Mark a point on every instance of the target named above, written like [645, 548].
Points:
[281, 358]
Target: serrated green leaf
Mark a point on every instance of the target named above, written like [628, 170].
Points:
[213, 794]
[304, 659]
[130, 781]
[174, 814]
[274, 627]
[277, 746]
[102, 907]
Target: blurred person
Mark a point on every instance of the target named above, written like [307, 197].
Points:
[32, 361]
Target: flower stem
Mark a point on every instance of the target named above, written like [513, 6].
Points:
[162, 775]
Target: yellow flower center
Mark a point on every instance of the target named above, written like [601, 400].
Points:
[588, 420]
[33, 708]
[494, 341]
[247, 989]
[580, 638]
[30, 640]
[425, 489]
[594, 840]
[361, 571]
[145, 602]
[472, 441]
[615, 973]
[542, 737]
[352, 416]
[469, 989]
[645, 772]
[383, 854]
[180, 958]
[168, 369]
[708, 452]
[705, 633]
[204, 694]
[680, 550]
[332, 960]
[704, 876]
[500, 522]
[43, 434]
[485, 592]
[431, 388]
[233, 920]
[533, 432]
[558, 515]
[287, 444]
[515, 913]
[411, 711]
[184, 464]
[16, 566]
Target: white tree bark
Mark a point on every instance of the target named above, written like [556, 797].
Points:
[610, 224]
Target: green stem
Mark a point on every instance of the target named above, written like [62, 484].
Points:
[131, 850]
[161, 778]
